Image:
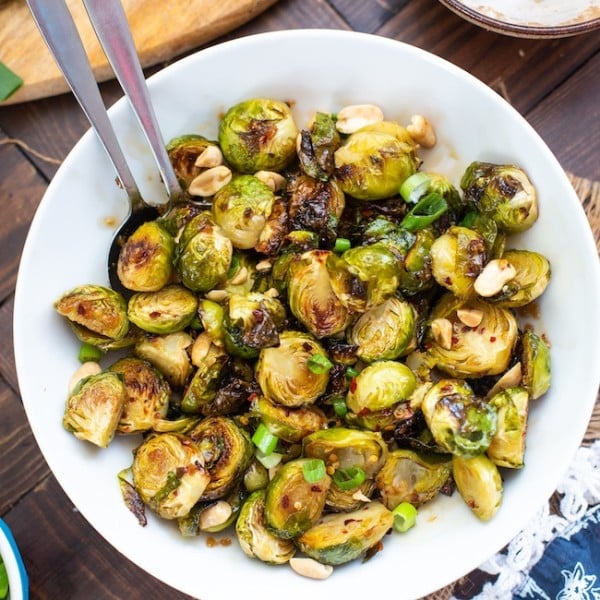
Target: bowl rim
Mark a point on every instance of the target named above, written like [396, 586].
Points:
[18, 580]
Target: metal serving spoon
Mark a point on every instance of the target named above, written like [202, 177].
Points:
[56, 25]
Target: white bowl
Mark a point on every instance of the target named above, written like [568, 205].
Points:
[18, 581]
[67, 246]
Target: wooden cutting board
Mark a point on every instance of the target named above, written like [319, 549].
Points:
[162, 29]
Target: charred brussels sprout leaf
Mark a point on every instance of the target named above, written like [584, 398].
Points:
[258, 134]
[97, 309]
[340, 538]
[169, 474]
[203, 387]
[94, 408]
[145, 261]
[255, 539]
[536, 364]
[317, 147]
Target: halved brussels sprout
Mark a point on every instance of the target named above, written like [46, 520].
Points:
[409, 476]
[258, 134]
[536, 364]
[460, 422]
[311, 297]
[227, 451]
[145, 261]
[416, 269]
[284, 374]
[205, 382]
[288, 424]
[380, 385]
[457, 258]
[317, 147]
[98, 309]
[94, 407]
[317, 206]
[168, 353]
[168, 310]
[342, 537]
[204, 254]
[479, 483]
[507, 448]
[531, 279]
[372, 164]
[386, 331]
[168, 474]
[212, 315]
[251, 322]
[344, 448]
[255, 539]
[293, 504]
[502, 191]
[147, 395]
[472, 351]
[241, 208]
[183, 152]
[364, 276]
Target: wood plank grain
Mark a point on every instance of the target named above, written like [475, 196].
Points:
[367, 16]
[523, 71]
[8, 371]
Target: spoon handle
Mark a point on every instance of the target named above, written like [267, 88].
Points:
[58, 29]
[112, 29]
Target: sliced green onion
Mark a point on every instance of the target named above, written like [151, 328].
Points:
[88, 353]
[425, 212]
[10, 82]
[268, 461]
[314, 470]
[414, 187]
[3, 580]
[339, 407]
[350, 478]
[405, 516]
[264, 440]
[341, 245]
[319, 364]
[351, 372]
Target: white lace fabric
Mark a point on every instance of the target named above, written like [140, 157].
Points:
[579, 490]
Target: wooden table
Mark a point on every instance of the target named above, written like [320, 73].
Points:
[555, 84]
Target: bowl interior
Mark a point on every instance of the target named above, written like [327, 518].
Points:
[313, 69]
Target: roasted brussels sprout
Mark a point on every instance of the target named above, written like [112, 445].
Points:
[536, 364]
[380, 385]
[484, 349]
[342, 537]
[503, 192]
[344, 448]
[288, 424]
[94, 408]
[145, 261]
[168, 353]
[254, 537]
[386, 331]
[460, 422]
[507, 448]
[227, 451]
[273, 235]
[457, 258]
[168, 310]
[372, 163]
[183, 152]
[168, 474]
[258, 134]
[293, 504]
[98, 309]
[147, 395]
[479, 483]
[284, 374]
[202, 388]
[241, 208]
[317, 206]
[317, 147]
[529, 282]
[416, 270]
[364, 276]
[203, 254]
[311, 296]
[409, 476]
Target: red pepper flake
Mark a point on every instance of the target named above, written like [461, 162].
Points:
[353, 385]
[492, 338]
[454, 340]
[155, 314]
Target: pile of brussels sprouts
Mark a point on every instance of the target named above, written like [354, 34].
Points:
[319, 339]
